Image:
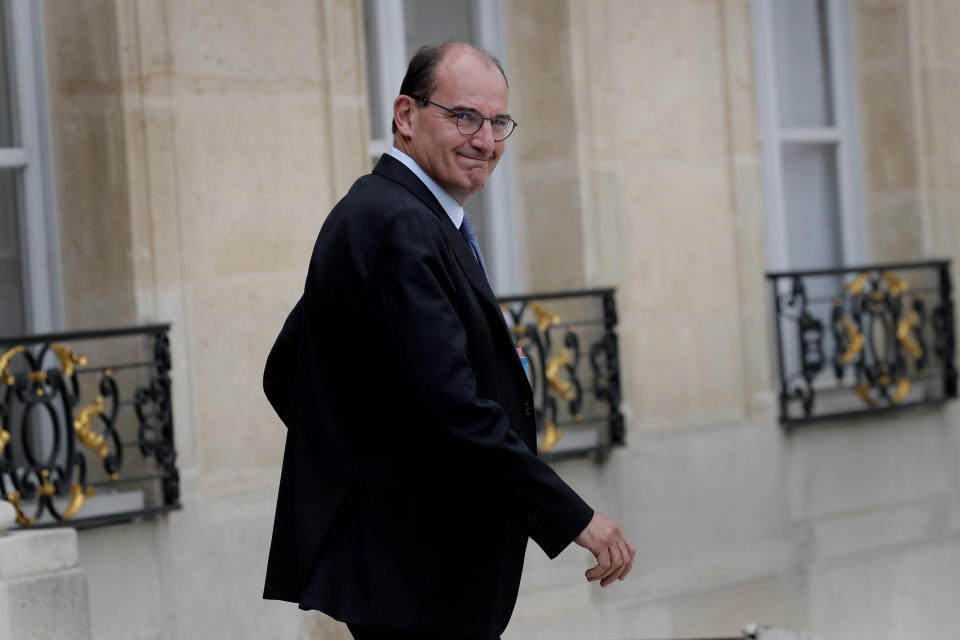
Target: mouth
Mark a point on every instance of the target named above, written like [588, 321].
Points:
[479, 159]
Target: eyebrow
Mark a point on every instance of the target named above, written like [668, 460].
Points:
[466, 108]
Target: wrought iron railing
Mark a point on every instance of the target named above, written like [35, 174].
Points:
[863, 340]
[570, 340]
[86, 426]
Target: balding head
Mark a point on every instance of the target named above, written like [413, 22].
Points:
[421, 77]
[429, 128]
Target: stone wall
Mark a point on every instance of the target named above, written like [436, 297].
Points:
[200, 144]
[660, 139]
[829, 528]
[42, 592]
[91, 175]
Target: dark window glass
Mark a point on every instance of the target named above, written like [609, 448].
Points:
[11, 287]
[7, 111]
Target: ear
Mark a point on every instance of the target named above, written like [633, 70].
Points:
[403, 114]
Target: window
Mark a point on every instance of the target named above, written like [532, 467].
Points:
[808, 131]
[394, 31]
[29, 271]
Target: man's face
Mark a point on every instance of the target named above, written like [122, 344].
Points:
[459, 163]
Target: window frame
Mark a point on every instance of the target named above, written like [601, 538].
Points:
[39, 244]
[842, 136]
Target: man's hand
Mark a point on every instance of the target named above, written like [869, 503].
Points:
[610, 547]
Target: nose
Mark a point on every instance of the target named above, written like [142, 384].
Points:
[483, 140]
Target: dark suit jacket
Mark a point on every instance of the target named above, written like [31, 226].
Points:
[410, 481]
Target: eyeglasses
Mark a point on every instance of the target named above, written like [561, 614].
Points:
[469, 122]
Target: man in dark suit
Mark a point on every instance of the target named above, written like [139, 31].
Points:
[410, 481]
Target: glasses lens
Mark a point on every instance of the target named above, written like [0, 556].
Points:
[502, 129]
[468, 123]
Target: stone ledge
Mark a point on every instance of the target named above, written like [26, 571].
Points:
[30, 552]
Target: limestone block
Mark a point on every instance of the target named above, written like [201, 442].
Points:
[773, 633]
[679, 217]
[604, 244]
[114, 558]
[750, 230]
[868, 464]
[940, 91]
[8, 516]
[28, 552]
[566, 596]
[563, 624]
[943, 227]
[859, 532]
[81, 64]
[756, 354]
[46, 607]
[690, 369]
[894, 227]
[541, 91]
[882, 34]
[658, 81]
[739, 86]
[720, 375]
[245, 211]
[214, 558]
[94, 228]
[667, 349]
[637, 620]
[705, 508]
[953, 448]
[908, 594]
[550, 217]
[42, 593]
[937, 22]
[888, 132]
[723, 611]
[142, 27]
[155, 225]
[235, 321]
[226, 47]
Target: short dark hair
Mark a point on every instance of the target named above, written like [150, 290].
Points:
[420, 80]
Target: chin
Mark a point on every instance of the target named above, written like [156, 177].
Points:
[476, 180]
[475, 187]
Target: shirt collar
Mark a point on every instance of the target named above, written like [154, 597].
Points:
[453, 208]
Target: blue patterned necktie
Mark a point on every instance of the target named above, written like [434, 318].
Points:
[466, 230]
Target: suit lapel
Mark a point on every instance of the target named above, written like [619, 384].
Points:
[392, 169]
[395, 171]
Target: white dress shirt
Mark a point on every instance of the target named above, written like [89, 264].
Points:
[451, 206]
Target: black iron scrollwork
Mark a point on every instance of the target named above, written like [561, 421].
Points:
[50, 436]
[570, 421]
[886, 349]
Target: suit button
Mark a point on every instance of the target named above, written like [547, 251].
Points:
[527, 408]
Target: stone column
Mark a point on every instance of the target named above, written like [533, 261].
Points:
[43, 594]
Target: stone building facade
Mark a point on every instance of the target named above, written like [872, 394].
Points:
[198, 144]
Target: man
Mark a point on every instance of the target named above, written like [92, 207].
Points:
[410, 482]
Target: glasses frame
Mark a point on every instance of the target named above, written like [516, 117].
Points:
[457, 112]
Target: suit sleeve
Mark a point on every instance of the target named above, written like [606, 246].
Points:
[413, 295]
[281, 361]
